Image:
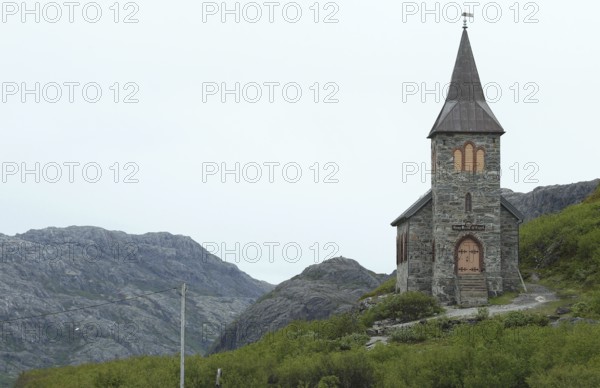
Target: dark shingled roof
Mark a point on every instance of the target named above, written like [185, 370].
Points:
[511, 208]
[465, 109]
[427, 197]
[424, 200]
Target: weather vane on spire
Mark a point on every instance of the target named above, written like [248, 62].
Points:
[466, 15]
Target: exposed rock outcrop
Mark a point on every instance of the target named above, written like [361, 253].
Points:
[321, 290]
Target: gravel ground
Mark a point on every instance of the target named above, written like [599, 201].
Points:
[535, 296]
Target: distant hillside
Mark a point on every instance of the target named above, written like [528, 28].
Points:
[549, 199]
[321, 290]
[564, 248]
[53, 270]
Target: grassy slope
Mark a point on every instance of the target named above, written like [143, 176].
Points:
[489, 354]
[563, 249]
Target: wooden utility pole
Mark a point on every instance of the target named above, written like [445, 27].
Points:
[182, 366]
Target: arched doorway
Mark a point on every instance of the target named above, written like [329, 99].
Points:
[469, 256]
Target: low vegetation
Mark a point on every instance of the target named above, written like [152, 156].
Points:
[503, 299]
[387, 287]
[517, 350]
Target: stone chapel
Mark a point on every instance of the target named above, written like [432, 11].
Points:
[460, 241]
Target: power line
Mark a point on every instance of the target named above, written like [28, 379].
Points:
[135, 296]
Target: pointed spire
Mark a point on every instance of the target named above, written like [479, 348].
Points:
[466, 109]
[465, 83]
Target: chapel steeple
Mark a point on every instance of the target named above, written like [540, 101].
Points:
[460, 241]
[465, 109]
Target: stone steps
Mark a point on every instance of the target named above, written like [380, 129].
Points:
[472, 290]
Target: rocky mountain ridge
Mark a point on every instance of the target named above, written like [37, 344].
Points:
[49, 278]
[550, 199]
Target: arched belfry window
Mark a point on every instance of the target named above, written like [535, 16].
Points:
[458, 160]
[480, 160]
[468, 202]
[469, 158]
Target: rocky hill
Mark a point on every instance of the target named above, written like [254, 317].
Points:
[49, 276]
[331, 287]
[549, 199]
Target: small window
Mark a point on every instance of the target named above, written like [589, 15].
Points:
[401, 249]
[404, 247]
[468, 203]
[398, 250]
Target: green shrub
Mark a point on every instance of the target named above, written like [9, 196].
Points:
[519, 319]
[353, 369]
[351, 341]
[408, 335]
[586, 375]
[406, 307]
[440, 325]
[483, 313]
[589, 307]
[581, 309]
[329, 382]
[339, 326]
[109, 379]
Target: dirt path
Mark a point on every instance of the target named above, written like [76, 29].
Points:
[536, 296]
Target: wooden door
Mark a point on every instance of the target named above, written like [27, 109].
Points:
[469, 257]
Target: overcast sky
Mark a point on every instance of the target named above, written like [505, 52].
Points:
[164, 131]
